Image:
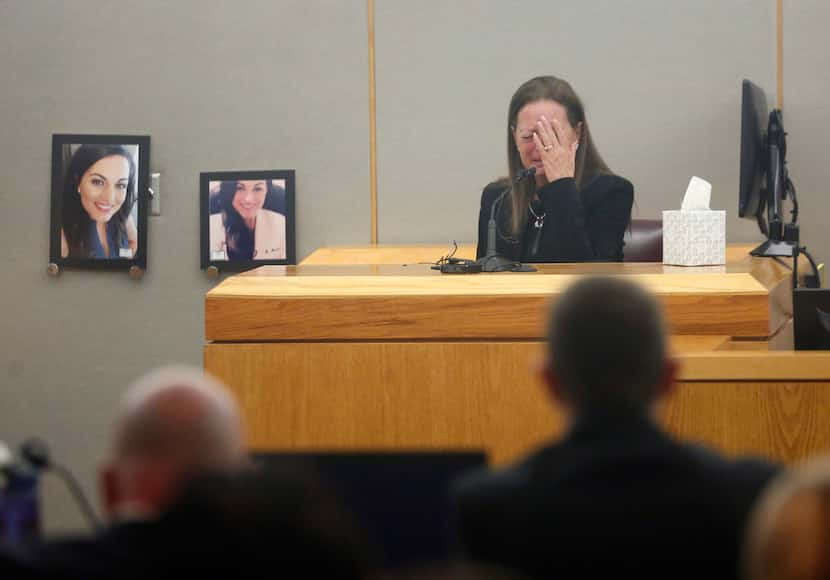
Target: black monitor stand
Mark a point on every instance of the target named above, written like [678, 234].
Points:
[782, 240]
[774, 249]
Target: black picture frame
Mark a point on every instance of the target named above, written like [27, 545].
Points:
[65, 147]
[216, 194]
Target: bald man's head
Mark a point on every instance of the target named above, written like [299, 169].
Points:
[172, 424]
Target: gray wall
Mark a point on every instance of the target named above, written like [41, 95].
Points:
[807, 117]
[283, 84]
[661, 84]
[217, 86]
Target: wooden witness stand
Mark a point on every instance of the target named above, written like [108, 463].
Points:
[352, 350]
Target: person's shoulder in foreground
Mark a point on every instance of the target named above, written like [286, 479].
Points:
[260, 522]
[600, 458]
[615, 492]
[554, 517]
[790, 526]
[15, 567]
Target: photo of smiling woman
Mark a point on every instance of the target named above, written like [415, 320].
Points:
[98, 201]
[247, 220]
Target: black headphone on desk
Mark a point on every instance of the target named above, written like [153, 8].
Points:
[457, 266]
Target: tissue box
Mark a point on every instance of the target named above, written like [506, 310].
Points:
[694, 237]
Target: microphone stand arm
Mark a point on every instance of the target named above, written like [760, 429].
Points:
[492, 261]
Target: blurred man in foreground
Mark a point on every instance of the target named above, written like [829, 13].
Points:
[616, 493]
[173, 425]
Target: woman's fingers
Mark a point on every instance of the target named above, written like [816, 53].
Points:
[552, 126]
[564, 136]
[540, 145]
[557, 148]
[545, 130]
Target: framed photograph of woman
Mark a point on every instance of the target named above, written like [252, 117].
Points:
[247, 218]
[99, 201]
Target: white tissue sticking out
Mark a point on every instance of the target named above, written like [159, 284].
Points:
[695, 235]
[697, 195]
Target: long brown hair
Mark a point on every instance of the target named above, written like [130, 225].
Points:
[588, 163]
[76, 221]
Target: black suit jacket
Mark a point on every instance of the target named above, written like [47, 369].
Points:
[579, 226]
[613, 496]
[14, 567]
[126, 550]
[217, 532]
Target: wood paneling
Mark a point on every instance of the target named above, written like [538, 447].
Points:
[685, 343]
[755, 366]
[425, 317]
[382, 302]
[386, 254]
[388, 395]
[386, 356]
[486, 395]
[415, 253]
[784, 421]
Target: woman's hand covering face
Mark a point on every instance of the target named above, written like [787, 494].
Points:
[557, 145]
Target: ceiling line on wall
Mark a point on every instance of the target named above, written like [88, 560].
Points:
[373, 165]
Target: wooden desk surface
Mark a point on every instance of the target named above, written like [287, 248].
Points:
[386, 254]
[352, 349]
[423, 253]
[745, 298]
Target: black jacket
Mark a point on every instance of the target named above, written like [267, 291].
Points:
[579, 226]
[611, 497]
[122, 550]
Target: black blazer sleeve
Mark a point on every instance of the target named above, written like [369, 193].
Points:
[585, 225]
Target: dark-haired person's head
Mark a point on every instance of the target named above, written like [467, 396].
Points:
[240, 201]
[555, 99]
[99, 187]
[607, 348]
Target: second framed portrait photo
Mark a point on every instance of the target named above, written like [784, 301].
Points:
[247, 218]
[99, 201]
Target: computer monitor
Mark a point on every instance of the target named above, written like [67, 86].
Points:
[764, 182]
[400, 498]
[811, 318]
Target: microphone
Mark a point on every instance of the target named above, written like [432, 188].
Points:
[6, 458]
[529, 172]
[12, 470]
[7, 467]
[35, 459]
[36, 453]
[492, 262]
